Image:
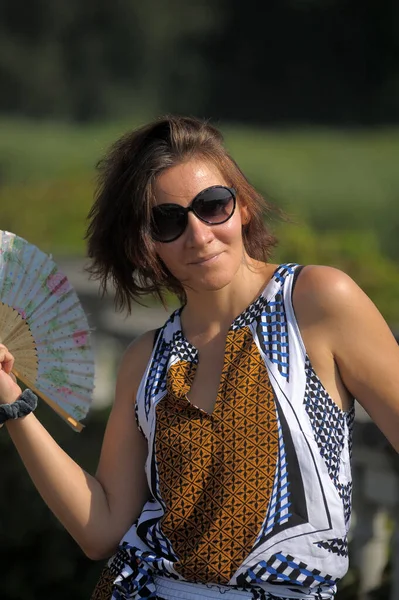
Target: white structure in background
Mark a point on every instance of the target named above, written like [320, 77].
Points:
[375, 530]
[111, 332]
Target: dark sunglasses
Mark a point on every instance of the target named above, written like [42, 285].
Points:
[214, 205]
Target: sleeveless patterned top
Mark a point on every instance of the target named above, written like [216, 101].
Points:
[256, 495]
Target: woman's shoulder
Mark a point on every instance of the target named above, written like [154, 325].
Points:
[325, 289]
[137, 355]
[331, 304]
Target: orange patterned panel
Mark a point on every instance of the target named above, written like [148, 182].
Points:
[216, 471]
[103, 589]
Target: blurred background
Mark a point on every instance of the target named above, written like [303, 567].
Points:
[306, 93]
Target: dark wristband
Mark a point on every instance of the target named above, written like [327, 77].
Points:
[25, 404]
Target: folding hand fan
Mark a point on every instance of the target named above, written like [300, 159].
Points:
[44, 326]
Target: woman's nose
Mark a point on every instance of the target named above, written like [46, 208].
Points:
[197, 231]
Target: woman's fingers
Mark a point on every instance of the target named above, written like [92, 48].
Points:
[6, 359]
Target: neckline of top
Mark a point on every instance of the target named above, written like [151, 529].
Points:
[240, 320]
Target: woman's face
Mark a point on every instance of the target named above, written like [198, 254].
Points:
[204, 257]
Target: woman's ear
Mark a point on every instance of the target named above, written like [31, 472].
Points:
[245, 215]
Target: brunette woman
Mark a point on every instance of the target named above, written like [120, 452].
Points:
[225, 467]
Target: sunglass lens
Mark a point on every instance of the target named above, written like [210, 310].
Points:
[214, 205]
[168, 222]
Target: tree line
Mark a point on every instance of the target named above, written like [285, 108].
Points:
[332, 62]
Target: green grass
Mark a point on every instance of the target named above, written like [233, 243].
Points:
[330, 178]
[41, 151]
[334, 181]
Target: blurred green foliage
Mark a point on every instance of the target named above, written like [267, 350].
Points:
[274, 62]
[340, 191]
[356, 252]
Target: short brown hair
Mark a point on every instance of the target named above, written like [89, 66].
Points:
[120, 245]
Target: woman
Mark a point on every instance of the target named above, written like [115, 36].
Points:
[225, 466]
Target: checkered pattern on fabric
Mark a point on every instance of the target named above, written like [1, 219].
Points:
[278, 512]
[284, 270]
[134, 571]
[158, 542]
[337, 546]
[156, 380]
[285, 569]
[134, 578]
[259, 306]
[251, 313]
[273, 336]
[327, 420]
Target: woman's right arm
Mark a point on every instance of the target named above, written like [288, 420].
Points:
[96, 510]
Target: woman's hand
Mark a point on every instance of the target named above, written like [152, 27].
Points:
[9, 389]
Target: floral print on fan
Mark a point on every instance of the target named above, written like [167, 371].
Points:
[57, 375]
[6, 286]
[57, 283]
[80, 338]
[65, 391]
[31, 283]
[11, 258]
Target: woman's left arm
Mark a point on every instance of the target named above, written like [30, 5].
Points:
[361, 343]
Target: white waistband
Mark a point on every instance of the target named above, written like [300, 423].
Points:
[171, 589]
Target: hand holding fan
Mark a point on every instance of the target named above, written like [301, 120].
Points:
[43, 325]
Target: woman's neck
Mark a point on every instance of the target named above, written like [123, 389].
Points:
[210, 313]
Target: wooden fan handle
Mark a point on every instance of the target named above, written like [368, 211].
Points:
[60, 411]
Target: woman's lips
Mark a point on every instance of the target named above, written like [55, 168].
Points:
[205, 260]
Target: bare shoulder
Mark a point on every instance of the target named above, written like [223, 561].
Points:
[135, 360]
[326, 288]
[139, 350]
[337, 313]
[331, 301]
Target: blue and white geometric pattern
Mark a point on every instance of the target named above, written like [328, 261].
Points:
[250, 314]
[156, 380]
[134, 571]
[260, 305]
[134, 578]
[285, 569]
[158, 542]
[298, 548]
[274, 334]
[278, 512]
[284, 270]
